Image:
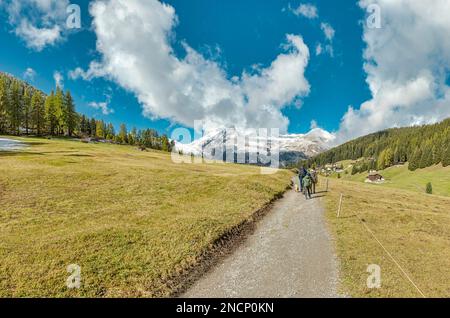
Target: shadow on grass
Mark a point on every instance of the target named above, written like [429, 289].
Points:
[19, 153]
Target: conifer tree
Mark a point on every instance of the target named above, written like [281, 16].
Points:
[4, 106]
[38, 112]
[51, 118]
[69, 114]
[123, 135]
[26, 118]
[15, 109]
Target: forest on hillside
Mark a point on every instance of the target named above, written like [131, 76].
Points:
[25, 110]
[420, 146]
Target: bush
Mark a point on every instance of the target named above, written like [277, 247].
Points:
[429, 189]
[339, 175]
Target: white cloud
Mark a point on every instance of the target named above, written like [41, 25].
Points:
[59, 79]
[134, 38]
[313, 124]
[407, 63]
[328, 31]
[39, 23]
[319, 49]
[29, 74]
[103, 106]
[305, 9]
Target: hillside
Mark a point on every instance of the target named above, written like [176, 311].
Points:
[402, 178]
[421, 146]
[133, 221]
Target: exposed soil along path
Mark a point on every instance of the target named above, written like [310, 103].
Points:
[290, 254]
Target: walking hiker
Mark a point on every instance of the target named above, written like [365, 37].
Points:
[314, 180]
[301, 174]
[307, 182]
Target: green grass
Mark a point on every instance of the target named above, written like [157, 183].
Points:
[413, 227]
[132, 220]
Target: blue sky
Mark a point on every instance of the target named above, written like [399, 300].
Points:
[236, 35]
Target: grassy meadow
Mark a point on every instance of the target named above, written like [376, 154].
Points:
[131, 220]
[399, 177]
[413, 227]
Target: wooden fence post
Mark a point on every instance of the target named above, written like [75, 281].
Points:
[340, 206]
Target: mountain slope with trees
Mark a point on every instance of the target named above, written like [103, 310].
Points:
[420, 146]
[26, 110]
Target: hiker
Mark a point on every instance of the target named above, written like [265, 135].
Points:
[301, 174]
[307, 182]
[314, 180]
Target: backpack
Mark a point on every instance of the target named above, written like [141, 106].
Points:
[307, 181]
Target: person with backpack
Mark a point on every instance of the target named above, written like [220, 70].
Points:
[301, 174]
[307, 182]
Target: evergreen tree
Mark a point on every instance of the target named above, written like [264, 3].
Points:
[100, 129]
[59, 110]
[414, 163]
[51, 118]
[110, 133]
[446, 156]
[429, 188]
[27, 110]
[84, 125]
[123, 135]
[93, 127]
[38, 112]
[4, 106]
[15, 109]
[69, 114]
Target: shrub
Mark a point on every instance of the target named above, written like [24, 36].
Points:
[429, 189]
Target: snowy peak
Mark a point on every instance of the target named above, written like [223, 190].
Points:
[292, 147]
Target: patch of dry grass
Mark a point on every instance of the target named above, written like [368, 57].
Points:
[413, 227]
[130, 219]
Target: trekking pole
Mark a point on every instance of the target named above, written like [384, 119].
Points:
[340, 206]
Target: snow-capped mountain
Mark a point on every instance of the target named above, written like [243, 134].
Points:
[244, 144]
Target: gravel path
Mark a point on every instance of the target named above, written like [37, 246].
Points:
[290, 254]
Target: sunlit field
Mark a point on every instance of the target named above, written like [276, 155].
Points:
[133, 221]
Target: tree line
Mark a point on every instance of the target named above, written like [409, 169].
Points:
[420, 146]
[27, 110]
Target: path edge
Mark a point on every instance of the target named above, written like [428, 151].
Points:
[219, 249]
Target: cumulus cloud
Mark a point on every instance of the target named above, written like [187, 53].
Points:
[39, 23]
[134, 39]
[407, 63]
[29, 74]
[305, 9]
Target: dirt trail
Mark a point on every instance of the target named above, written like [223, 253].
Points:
[290, 254]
